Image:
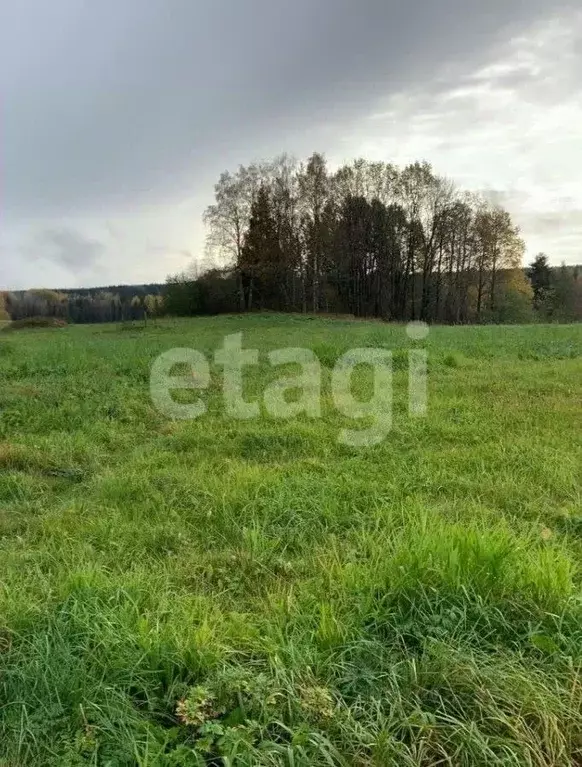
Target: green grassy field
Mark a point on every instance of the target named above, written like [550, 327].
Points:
[219, 592]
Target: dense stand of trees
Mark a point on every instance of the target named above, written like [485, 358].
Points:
[557, 292]
[368, 239]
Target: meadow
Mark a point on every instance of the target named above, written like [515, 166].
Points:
[223, 592]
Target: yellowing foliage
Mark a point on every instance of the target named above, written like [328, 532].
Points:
[4, 316]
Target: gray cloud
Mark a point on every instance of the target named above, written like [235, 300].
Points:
[116, 102]
[568, 223]
[116, 113]
[69, 248]
[510, 128]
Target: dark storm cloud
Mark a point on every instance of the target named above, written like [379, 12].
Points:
[116, 102]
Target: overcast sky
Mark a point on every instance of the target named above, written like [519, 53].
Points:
[117, 116]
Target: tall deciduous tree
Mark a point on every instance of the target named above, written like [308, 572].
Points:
[314, 192]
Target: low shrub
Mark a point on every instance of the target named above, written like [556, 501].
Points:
[36, 322]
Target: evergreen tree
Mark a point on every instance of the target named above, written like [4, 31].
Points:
[540, 276]
[262, 264]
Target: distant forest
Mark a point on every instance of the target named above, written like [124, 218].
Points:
[85, 305]
[368, 240]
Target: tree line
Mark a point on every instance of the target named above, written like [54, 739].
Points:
[368, 239]
[116, 304]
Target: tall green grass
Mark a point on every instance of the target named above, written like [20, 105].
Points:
[219, 592]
